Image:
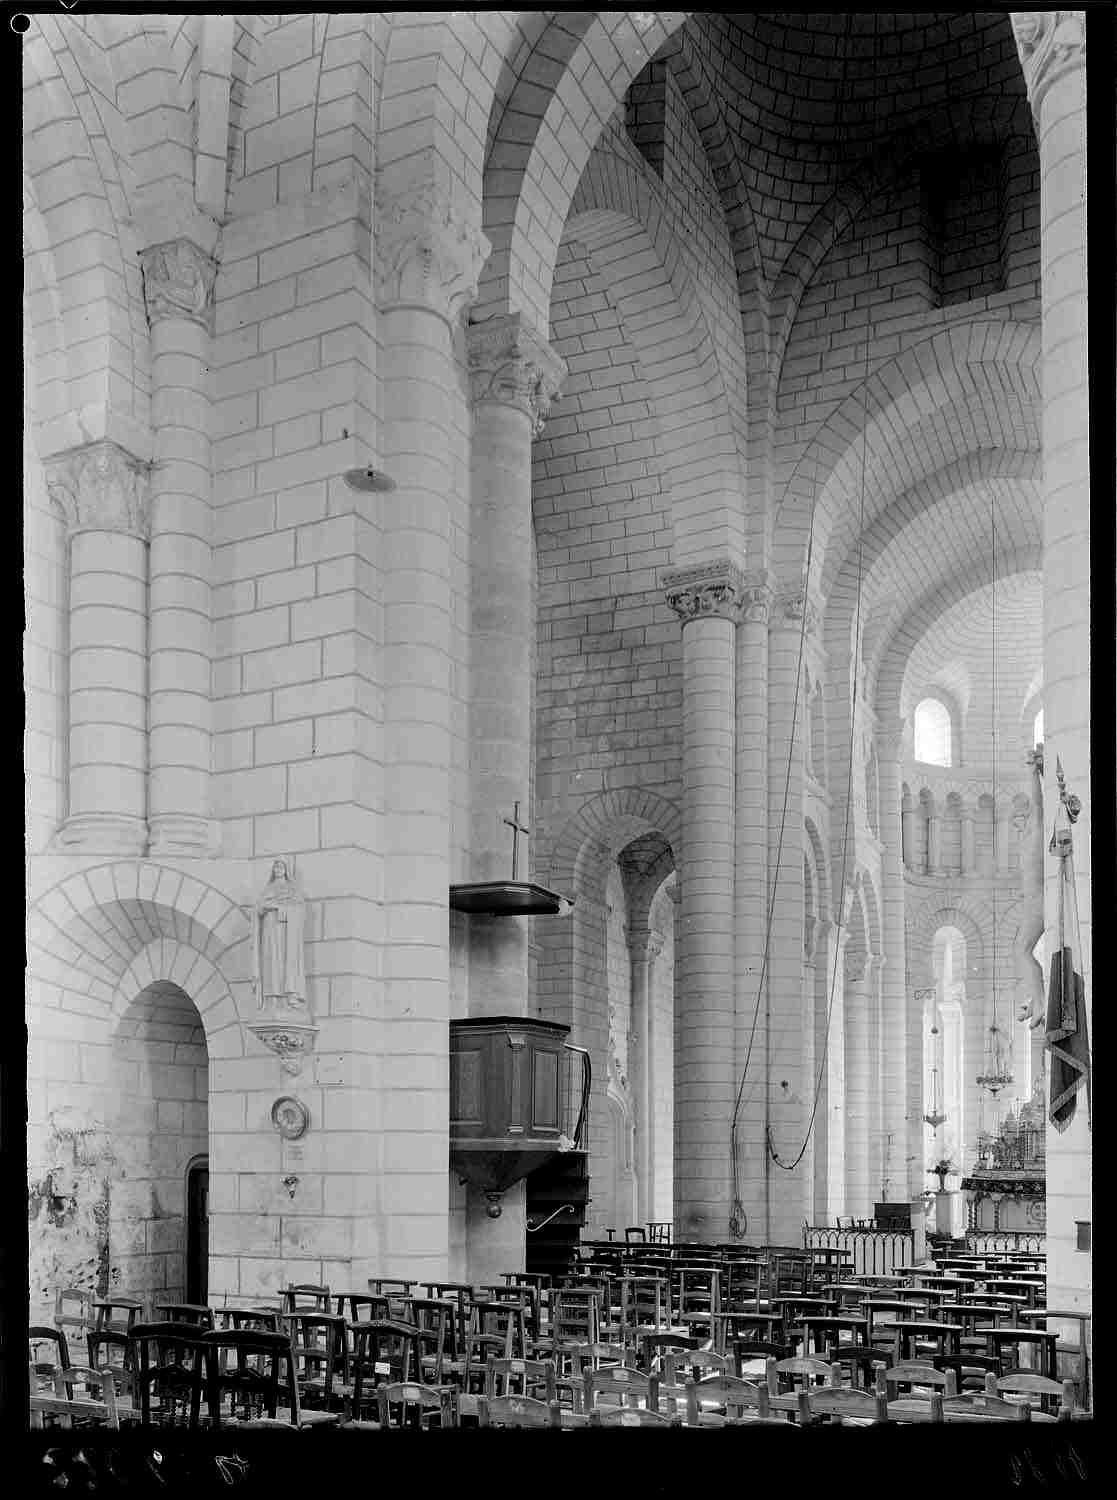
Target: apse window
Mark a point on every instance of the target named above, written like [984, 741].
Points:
[932, 732]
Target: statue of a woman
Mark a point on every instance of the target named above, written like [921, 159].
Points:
[278, 974]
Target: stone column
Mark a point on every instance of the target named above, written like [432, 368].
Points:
[969, 857]
[907, 829]
[102, 492]
[827, 963]
[644, 947]
[706, 597]
[934, 843]
[751, 889]
[1052, 49]
[514, 376]
[791, 1040]
[178, 288]
[429, 261]
[894, 1000]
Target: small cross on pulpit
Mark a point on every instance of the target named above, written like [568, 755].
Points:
[517, 828]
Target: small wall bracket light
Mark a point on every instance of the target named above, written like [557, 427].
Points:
[369, 481]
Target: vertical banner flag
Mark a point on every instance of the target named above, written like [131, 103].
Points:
[1066, 998]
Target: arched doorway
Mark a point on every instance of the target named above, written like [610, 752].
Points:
[160, 1133]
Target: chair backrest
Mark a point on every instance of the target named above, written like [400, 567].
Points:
[525, 1374]
[404, 1403]
[914, 1372]
[243, 1370]
[800, 1369]
[977, 1406]
[319, 1346]
[619, 1383]
[517, 1411]
[1056, 1394]
[913, 1409]
[361, 1306]
[303, 1297]
[629, 1416]
[41, 1342]
[824, 1402]
[737, 1396]
[575, 1316]
[73, 1308]
[653, 1344]
[76, 1391]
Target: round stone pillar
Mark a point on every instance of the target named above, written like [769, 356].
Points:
[514, 377]
[102, 492]
[751, 893]
[969, 857]
[429, 261]
[1053, 53]
[706, 597]
[644, 947]
[178, 289]
[901, 1137]
[791, 1052]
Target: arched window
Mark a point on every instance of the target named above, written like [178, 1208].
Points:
[1037, 730]
[932, 732]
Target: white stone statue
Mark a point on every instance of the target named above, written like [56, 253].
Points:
[278, 977]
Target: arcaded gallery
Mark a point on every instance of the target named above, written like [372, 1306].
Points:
[557, 681]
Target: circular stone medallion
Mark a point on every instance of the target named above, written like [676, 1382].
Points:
[290, 1117]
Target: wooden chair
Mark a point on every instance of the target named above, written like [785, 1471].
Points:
[78, 1396]
[911, 1409]
[517, 1411]
[978, 1406]
[841, 1406]
[244, 1368]
[303, 1297]
[265, 1319]
[380, 1350]
[441, 1356]
[457, 1293]
[619, 1384]
[41, 1342]
[1008, 1344]
[574, 1318]
[734, 1400]
[1053, 1398]
[644, 1306]
[784, 1378]
[404, 1403]
[74, 1311]
[528, 1375]
[358, 1307]
[698, 1298]
[110, 1350]
[629, 1416]
[654, 1345]
[912, 1376]
[117, 1314]
[168, 1365]
[184, 1312]
[969, 1369]
[503, 1321]
[319, 1351]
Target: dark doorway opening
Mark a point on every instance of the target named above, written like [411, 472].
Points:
[197, 1230]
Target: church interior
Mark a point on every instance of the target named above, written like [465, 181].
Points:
[557, 688]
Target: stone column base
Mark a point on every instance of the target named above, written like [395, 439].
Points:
[184, 837]
[102, 833]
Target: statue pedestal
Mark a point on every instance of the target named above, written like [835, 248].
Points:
[948, 1214]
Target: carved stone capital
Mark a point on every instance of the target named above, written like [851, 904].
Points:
[178, 282]
[705, 590]
[1052, 43]
[427, 255]
[100, 488]
[795, 608]
[757, 593]
[510, 363]
[289, 1040]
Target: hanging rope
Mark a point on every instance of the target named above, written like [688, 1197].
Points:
[738, 1220]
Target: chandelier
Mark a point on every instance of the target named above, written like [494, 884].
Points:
[935, 1117]
[996, 1075]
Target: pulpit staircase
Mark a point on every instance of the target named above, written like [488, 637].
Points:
[557, 1194]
